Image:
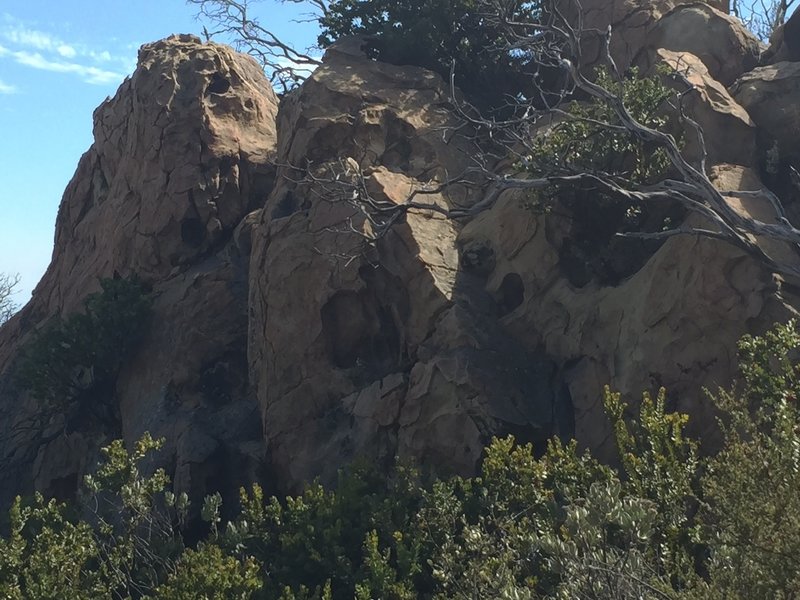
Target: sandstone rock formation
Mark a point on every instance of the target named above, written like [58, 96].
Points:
[725, 46]
[182, 154]
[632, 24]
[784, 43]
[729, 132]
[385, 353]
[770, 94]
[282, 343]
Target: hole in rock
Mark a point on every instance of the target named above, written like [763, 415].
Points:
[285, 206]
[193, 232]
[593, 250]
[511, 294]
[361, 333]
[218, 85]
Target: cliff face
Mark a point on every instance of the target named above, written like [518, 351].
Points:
[182, 154]
[279, 345]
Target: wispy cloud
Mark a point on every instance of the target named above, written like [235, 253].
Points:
[41, 50]
[87, 73]
[6, 88]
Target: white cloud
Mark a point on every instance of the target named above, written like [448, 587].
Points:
[104, 56]
[40, 50]
[67, 51]
[30, 37]
[6, 88]
[89, 74]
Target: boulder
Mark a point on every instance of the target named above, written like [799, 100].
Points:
[632, 22]
[182, 154]
[784, 43]
[673, 321]
[721, 41]
[729, 133]
[770, 95]
[378, 350]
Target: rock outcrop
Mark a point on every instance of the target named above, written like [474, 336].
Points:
[391, 352]
[729, 132]
[182, 154]
[283, 343]
[632, 23]
[770, 94]
[721, 41]
[784, 43]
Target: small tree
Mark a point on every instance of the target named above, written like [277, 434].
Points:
[440, 36]
[7, 305]
[751, 485]
[73, 362]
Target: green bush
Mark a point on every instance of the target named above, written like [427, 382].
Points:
[435, 34]
[78, 358]
[752, 504]
[589, 138]
[666, 524]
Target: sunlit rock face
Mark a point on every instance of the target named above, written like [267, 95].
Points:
[392, 351]
[182, 154]
[282, 346]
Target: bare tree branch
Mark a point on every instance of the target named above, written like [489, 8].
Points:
[551, 45]
[234, 20]
[8, 307]
[762, 17]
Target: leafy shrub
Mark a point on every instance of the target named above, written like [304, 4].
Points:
[79, 357]
[752, 508]
[435, 34]
[589, 138]
[560, 525]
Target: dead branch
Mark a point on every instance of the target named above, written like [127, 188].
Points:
[233, 20]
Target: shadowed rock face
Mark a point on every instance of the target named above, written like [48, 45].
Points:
[721, 41]
[281, 343]
[182, 154]
[392, 352]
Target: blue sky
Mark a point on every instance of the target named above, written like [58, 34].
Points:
[59, 59]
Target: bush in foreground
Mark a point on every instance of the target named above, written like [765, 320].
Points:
[665, 525]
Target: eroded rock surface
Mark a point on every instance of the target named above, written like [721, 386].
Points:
[721, 41]
[182, 154]
[729, 134]
[770, 94]
[282, 340]
[390, 351]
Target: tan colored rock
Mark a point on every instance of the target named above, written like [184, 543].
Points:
[632, 24]
[784, 43]
[182, 154]
[377, 352]
[756, 205]
[770, 95]
[722, 42]
[674, 322]
[729, 133]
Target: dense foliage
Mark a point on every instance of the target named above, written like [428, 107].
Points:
[666, 524]
[75, 360]
[591, 139]
[439, 35]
